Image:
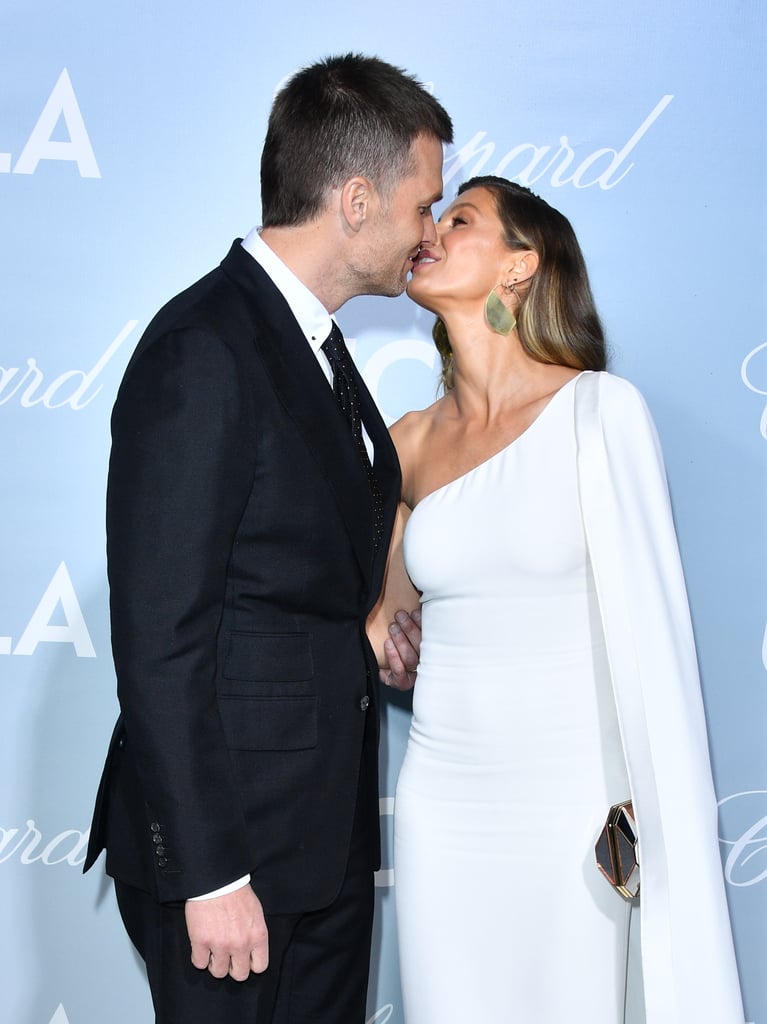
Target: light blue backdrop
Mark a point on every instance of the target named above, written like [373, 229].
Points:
[129, 143]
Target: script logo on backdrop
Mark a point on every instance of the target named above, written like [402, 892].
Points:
[744, 820]
[753, 369]
[67, 847]
[61, 105]
[528, 163]
[74, 388]
[59, 594]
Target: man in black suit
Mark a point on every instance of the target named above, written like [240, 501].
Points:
[247, 536]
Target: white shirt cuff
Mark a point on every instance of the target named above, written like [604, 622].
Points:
[239, 883]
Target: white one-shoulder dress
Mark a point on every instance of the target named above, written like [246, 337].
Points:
[514, 754]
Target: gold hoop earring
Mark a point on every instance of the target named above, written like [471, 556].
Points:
[498, 315]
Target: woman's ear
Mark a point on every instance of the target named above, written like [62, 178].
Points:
[524, 266]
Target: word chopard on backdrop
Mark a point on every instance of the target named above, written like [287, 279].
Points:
[29, 386]
[28, 845]
[527, 162]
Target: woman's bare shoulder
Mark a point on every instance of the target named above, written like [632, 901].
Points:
[410, 435]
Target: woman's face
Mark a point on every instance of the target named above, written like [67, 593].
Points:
[469, 259]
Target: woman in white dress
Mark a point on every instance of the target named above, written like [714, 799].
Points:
[557, 672]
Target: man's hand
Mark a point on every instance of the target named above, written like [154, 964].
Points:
[228, 934]
[402, 649]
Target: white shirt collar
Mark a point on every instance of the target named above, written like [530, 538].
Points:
[313, 319]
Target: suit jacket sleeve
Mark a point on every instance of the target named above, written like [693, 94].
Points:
[687, 952]
[180, 476]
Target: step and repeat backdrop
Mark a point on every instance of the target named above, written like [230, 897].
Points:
[130, 136]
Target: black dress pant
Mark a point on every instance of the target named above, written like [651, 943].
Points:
[317, 973]
[318, 962]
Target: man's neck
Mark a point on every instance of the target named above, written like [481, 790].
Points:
[309, 252]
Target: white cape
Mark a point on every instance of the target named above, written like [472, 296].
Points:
[688, 962]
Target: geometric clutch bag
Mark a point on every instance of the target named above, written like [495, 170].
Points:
[616, 850]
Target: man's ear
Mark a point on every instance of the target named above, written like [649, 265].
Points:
[356, 195]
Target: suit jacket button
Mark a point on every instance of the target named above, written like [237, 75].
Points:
[364, 703]
[162, 862]
[159, 850]
[155, 827]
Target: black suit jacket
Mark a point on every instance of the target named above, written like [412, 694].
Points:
[242, 569]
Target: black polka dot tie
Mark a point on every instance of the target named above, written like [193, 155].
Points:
[347, 396]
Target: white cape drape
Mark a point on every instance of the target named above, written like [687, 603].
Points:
[688, 962]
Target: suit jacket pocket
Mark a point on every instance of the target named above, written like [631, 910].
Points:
[268, 657]
[269, 723]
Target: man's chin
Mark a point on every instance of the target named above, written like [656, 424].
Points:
[391, 289]
[387, 287]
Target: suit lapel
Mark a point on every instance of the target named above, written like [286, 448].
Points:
[303, 391]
